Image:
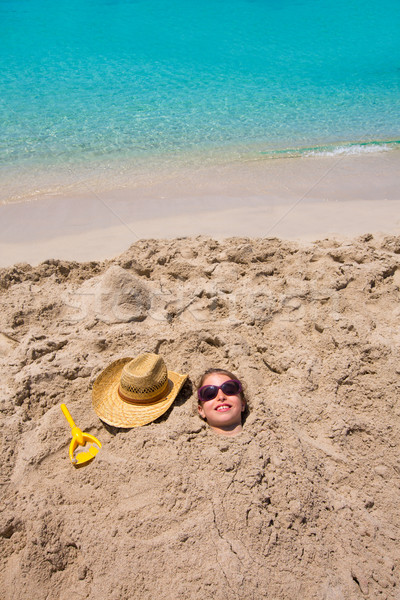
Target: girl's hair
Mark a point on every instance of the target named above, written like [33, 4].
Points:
[231, 376]
[211, 371]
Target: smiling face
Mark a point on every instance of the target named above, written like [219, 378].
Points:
[223, 413]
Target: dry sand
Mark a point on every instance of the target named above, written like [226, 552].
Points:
[303, 504]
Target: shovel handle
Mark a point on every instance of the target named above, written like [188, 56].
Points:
[67, 415]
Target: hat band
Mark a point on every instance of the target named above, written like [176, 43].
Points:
[161, 394]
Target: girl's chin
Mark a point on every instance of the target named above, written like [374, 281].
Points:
[224, 419]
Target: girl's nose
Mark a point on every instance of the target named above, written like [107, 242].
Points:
[220, 395]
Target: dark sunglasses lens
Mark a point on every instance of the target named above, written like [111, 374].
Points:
[230, 388]
[209, 392]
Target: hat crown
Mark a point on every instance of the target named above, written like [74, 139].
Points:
[145, 378]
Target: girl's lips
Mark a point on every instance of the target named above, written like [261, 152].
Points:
[222, 407]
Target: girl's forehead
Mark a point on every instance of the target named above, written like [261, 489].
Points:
[215, 379]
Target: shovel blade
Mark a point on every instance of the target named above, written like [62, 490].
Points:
[83, 457]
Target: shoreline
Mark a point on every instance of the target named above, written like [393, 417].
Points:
[297, 199]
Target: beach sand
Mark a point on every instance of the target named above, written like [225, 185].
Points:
[303, 504]
[296, 199]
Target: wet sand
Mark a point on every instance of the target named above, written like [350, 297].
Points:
[295, 199]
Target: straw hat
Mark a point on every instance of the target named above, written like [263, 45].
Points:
[134, 391]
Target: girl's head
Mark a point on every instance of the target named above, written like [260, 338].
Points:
[221, 401]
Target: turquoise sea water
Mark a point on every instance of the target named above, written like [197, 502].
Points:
[95, 83]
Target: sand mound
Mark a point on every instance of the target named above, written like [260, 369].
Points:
[303, 504]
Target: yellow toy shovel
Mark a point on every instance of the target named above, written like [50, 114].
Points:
[80, 439]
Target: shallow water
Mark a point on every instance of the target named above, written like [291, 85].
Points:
[94, 90]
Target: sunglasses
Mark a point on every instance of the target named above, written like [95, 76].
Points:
[233, 387]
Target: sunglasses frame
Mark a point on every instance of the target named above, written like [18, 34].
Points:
[219, 387]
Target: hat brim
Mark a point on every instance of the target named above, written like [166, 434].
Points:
[113, 410]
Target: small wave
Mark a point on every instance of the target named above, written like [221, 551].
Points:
[350, 149]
